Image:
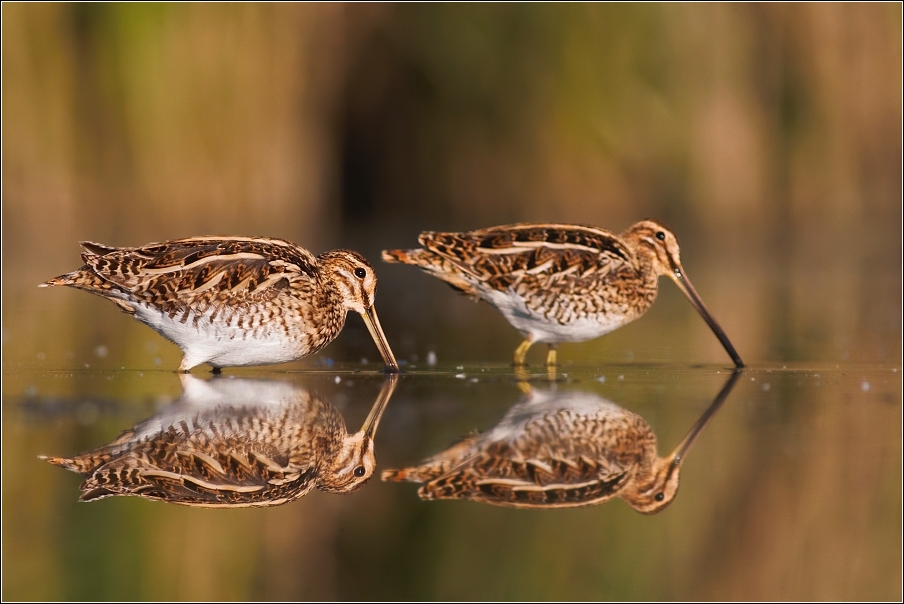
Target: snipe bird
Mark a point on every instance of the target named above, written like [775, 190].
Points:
[558, 282]
[560, 450]
[234, 443]
[231, 301]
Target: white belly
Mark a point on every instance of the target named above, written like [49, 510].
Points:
[221, 343]
[543, 329]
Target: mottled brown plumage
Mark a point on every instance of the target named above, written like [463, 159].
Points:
[558, 450]
[234, 443]
[231, 301]
[557, 282]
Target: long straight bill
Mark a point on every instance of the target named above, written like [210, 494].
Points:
[685, 445]
[685, 286]
[373, 418]
[376, 332]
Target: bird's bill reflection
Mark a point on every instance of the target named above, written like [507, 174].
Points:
[373, 418]
[233, 443]
[557, 449]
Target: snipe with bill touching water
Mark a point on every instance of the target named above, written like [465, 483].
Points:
[557, 282]
[560, 450]
[231, 301]
[234, 443]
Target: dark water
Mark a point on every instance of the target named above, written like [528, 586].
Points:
[792, 491]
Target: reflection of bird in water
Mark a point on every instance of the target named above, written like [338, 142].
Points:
[231, 301]
[556, 450]
[557, 282]
[215, 447]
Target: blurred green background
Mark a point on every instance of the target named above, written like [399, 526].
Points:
[768, 136]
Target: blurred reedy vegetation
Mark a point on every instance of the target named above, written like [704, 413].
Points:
[767, 136]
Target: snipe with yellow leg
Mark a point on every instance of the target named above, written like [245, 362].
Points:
[557, 282]
[235, 443]
[231, 301]
[560, 450]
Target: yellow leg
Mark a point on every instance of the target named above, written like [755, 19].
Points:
[551, 356]
[521, 351]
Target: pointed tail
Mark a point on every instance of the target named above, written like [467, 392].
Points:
[67, 279]
[82, 464]
[397, 476]
[63, 462]
[84, 278]
[403, 256]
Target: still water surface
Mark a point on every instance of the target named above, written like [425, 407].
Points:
[791, 491]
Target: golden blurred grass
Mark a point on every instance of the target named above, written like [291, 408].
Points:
[768, 136]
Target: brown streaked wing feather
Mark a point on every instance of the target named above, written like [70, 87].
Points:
[543, 475]
[232, 476]
[518, 492]
[502, 256]
[178, 273]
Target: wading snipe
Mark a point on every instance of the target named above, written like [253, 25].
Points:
[234, 443]
[559, 450]
[559, 283]
[230, 301]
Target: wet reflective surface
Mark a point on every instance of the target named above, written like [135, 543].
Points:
[234, 443]
[560, 449]
[792, 490]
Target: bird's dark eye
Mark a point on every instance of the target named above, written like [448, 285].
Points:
[359, 471]
[360, 273]
[660, 236]
[660, 496]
